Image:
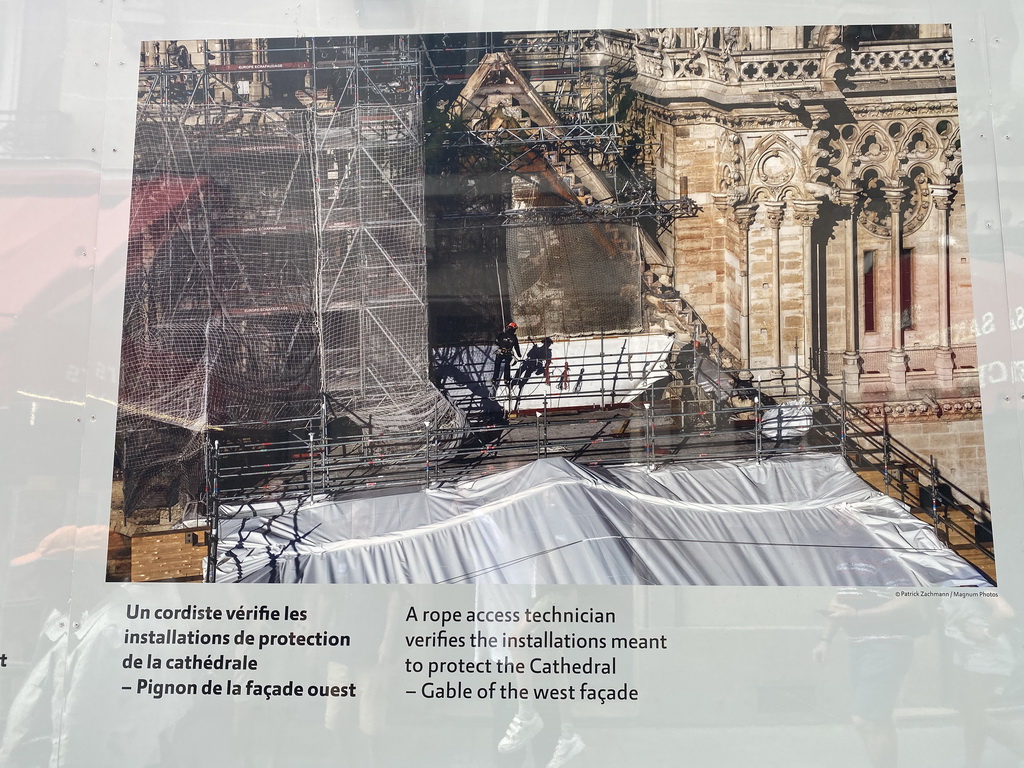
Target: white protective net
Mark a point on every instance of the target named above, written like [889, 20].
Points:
[276, 258]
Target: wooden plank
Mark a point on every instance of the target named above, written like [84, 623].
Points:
[167, 557]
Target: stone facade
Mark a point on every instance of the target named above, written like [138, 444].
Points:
[796, 139]
[827, 163]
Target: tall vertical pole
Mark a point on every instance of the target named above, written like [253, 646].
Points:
[312, 73]
[426, 453]
[943, 198]
[897, 356]
[312, 466]
[758, 415]
[651, 435]
[323, 440]
[843, 447]
[744, 218]
[851, 353]
[886, 451]
[805, 212]
[212, 507]
[544, 412]
[773, 214]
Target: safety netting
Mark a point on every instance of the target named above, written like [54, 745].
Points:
[572, 279]
[276, 262]
[789, 521]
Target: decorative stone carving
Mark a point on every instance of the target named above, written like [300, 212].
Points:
[805, 212]
[825, 36]
[895, 60]
[848, 198]
[920, 204]
[916, 410]
[902, 109]
[942, 196]
[774, 212]
[745, 215]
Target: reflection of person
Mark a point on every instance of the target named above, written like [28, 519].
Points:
[537, 360]
[881, 630]
[530, 719]
[976, 630]
[68, 678]
[507, 344]
[880, 651]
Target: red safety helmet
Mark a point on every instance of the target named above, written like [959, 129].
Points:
[513, 325]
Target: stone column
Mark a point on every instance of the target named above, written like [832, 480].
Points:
[804, 214]
[897, 356]
[851, 353]
[744, 218]
[942, 195]
[773, 213]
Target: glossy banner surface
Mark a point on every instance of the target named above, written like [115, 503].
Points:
[417, 175]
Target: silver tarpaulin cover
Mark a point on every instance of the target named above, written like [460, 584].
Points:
[798, 520]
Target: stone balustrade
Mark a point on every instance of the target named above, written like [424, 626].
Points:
[896, 58]
[781, 66]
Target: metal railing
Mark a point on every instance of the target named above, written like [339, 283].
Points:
[250, 477]
[250, 474]
[869, 446]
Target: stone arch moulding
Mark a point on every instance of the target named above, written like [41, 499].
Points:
[919, 182]
[871, 147]
[874, 210]
[921, 142]
[777, 171]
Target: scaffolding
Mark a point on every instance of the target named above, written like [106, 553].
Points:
[277, 271]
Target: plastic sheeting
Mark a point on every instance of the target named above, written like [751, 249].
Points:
[797, 520]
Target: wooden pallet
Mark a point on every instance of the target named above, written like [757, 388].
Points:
[169, 556]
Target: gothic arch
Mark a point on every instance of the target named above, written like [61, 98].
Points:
[952, 158]
[874, 210]
[918, 205]
[872, 147]
[921, 142]
[776, 169]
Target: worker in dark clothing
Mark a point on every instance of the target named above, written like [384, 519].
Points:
[538, 359]
[507, 344]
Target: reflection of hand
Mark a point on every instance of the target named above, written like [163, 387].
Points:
[820, 651]
[977, 632]
[841, 611]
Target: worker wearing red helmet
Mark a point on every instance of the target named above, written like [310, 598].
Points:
[507, 346]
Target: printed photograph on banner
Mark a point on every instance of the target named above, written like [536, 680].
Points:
[682, 306]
